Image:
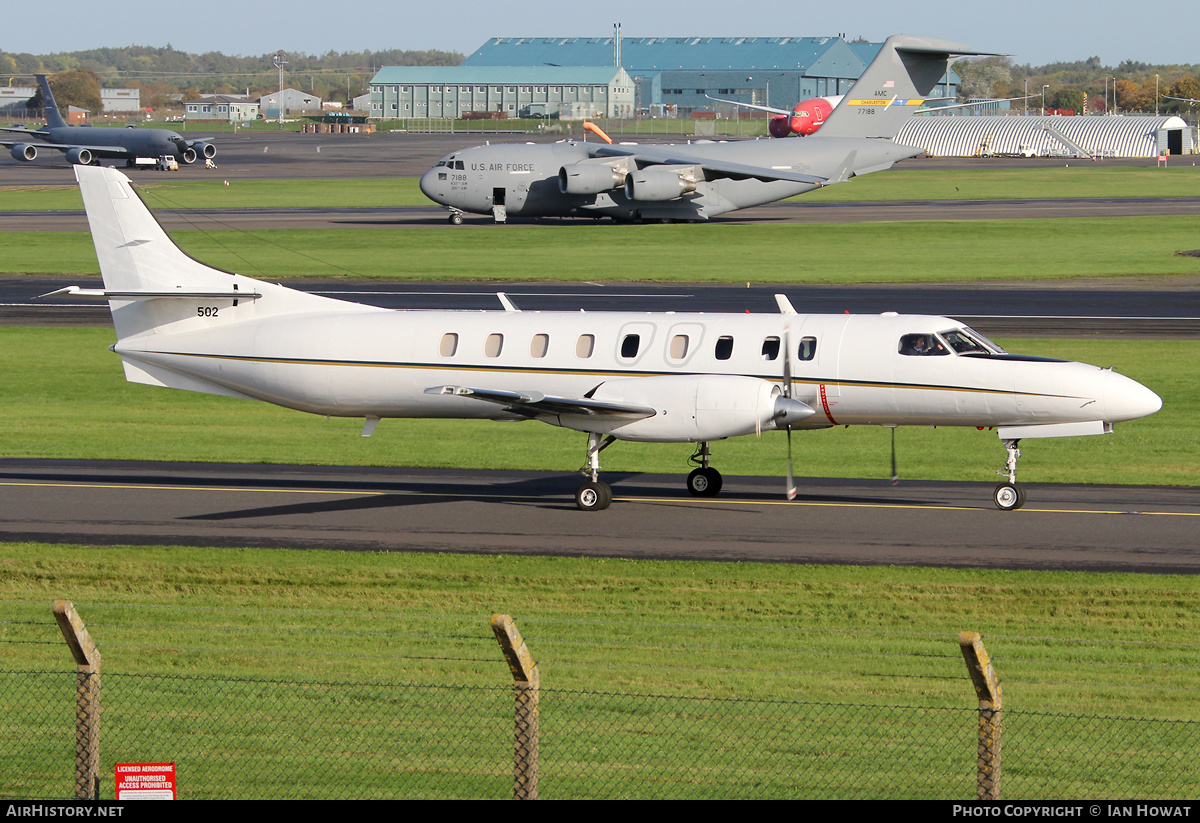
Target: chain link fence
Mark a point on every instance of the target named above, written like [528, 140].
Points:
[237, 739]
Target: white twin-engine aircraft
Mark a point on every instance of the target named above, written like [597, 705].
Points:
[656, 377]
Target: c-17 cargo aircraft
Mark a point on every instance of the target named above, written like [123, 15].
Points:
[650, 377]
[701, 179]
[84, 145]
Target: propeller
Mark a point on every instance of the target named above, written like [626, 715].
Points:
[787, 394]
[895, 474]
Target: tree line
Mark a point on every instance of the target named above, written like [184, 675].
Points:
[167, 77]
[1083, 86]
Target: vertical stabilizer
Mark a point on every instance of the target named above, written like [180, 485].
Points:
[894, 87]
[161, 284]
[54, 120]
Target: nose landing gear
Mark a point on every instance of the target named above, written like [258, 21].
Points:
[1009, 496]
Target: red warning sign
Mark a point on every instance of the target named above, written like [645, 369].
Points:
[145, 781]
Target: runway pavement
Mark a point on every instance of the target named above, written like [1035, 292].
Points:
[1096, 528]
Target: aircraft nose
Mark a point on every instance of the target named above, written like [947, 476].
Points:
[1126, 399]
[429, 185]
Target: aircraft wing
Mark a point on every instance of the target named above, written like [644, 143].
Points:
[536, 404]
[41, 144]
[754, 106]
[713, 169]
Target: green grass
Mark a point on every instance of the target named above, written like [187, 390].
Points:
[1070, 180]
[67, 397]
[924, 252]
[1093, 643]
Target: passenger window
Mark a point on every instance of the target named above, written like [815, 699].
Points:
[449, 345]
[629, 346]
[585, 345]
[770, 349]
[494, 344]
[724, 348]
[808, 348]
[679, 347]
[920, 345]
[539, 345]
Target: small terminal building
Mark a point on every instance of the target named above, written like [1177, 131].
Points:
[1048, 136]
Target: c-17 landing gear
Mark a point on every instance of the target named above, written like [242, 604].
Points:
[594, 495]
[703, 481]
[1010, 496]
[455, 218]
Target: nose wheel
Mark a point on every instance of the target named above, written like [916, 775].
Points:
[1009, 496]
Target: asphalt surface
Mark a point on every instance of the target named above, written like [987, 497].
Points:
[1092, 528]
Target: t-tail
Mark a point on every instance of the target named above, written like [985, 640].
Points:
[155, 289]
[894, 87]
[54, 120]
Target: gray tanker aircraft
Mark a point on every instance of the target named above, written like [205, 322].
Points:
[702, 179]
[86, 145]
[661, 377]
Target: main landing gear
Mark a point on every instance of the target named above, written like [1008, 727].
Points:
[703, 481]
[594, 495]
[1010, 496]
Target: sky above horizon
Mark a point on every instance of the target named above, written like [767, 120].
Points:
[1030, 32]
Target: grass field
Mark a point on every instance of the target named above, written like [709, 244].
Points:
[1070, 180]
[1093, 643]
[923, 252]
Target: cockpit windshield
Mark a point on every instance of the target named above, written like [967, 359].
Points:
[960, 341]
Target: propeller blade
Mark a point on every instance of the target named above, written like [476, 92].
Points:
[791, 481]
[895, 474]
[787, 362]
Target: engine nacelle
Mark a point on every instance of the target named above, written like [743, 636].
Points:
[656, 185]
[698, 407]
[24, 151]
[79, 156]
[589, 178]
[188, 156]
[206, 150]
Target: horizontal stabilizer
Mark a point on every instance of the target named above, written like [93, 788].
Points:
[108, 294]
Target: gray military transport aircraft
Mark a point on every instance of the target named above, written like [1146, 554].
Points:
[87, 145]
[702, 179]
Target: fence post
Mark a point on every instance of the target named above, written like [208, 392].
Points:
[87, 699]
[991, 706]
[526, 693]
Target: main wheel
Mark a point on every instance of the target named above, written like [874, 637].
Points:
[704, 482]
[1009, 496]
[455, 219]
[593, 496]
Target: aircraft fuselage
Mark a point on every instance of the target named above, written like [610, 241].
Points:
[525, 178]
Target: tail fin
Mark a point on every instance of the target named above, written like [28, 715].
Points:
[893, 87]
[154, 286]
[54, 120]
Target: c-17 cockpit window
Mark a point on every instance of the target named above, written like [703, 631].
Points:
[458, 165]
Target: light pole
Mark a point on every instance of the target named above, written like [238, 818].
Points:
[279, 64]
[1044, 100]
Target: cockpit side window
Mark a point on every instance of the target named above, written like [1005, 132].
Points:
[921, 344]
[969, 341]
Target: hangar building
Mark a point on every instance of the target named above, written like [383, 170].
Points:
[1049, 136]
[514, 91]
[679, 71]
